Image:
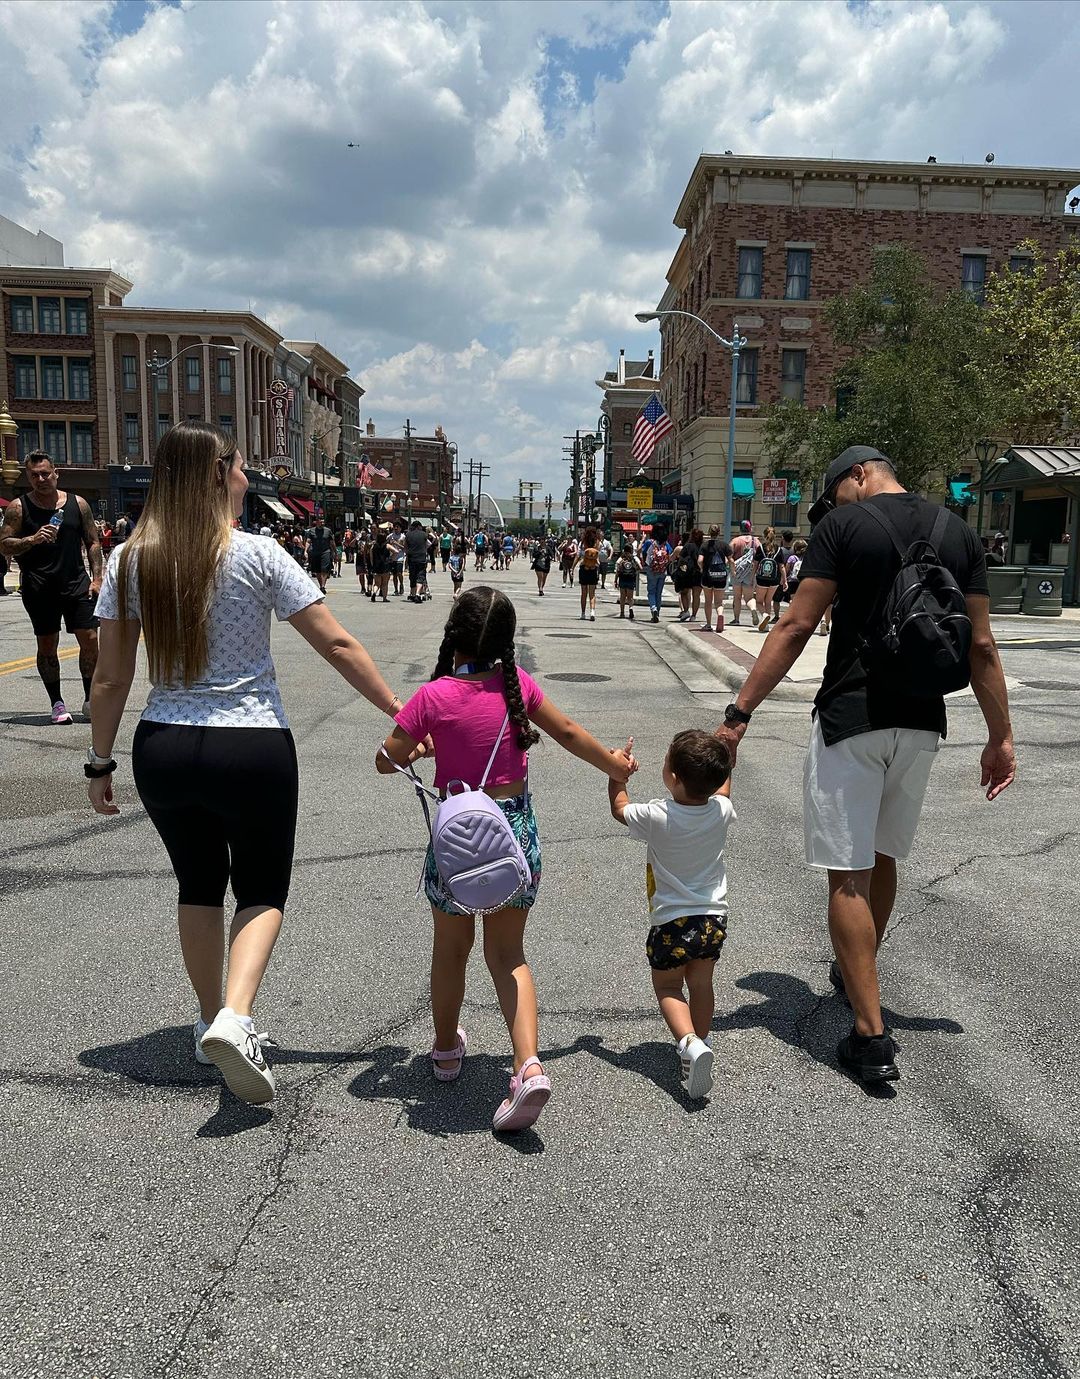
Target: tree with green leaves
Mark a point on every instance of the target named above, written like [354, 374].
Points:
[912, 381]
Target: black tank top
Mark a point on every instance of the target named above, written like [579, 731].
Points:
[56, 569]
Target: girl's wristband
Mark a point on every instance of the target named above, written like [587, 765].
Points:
[390, 711]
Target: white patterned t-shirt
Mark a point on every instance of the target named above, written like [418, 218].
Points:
[239, 687]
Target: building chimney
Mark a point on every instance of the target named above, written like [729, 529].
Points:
[622, 366]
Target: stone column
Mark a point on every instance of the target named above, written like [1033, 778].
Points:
[111, 447]
[240, 383]
[174, 346]
[144, 384]
[207, 414]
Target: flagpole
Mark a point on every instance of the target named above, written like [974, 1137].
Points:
[734, 345]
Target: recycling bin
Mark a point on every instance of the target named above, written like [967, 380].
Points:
[1006, 588]
[1042, 591]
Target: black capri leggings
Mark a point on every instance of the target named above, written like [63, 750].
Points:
[224, 802]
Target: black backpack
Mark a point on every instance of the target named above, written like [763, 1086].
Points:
[767, 570]
[921, 644]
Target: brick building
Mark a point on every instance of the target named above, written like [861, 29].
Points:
[421, 470]
[54, 348]
[766, 241]
[626, 390]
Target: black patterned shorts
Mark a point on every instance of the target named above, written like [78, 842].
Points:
[680, 940]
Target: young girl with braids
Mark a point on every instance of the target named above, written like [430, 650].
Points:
[460, 711]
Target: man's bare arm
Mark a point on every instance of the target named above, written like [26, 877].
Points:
[988, 682]
[11, 543]
[785, 642]
[92, 542]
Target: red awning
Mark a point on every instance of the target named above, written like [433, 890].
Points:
[4, 502]
[303, 507]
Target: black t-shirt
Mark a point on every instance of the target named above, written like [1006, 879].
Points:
[320, 538]
[848, 546]
[416, 547]
[689, 558]
[707, 551]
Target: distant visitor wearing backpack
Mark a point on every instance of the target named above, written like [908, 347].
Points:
[908, 628]
[717, 566]
[770, 576]
[656, 556]
[588, 558]
[480, 708]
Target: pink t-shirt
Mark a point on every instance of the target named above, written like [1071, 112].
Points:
[463, 718]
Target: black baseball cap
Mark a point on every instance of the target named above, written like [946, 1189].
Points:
[837, 471]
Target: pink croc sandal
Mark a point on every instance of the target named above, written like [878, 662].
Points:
[528, 1097]
[445, 1055]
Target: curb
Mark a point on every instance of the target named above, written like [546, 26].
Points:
[732, 675]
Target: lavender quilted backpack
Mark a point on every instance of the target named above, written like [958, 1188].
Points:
[479, 859]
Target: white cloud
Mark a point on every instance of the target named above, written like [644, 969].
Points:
[478, 256]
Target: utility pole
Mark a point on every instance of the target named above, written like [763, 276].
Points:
[468, 506]
[575, 477]
[533, 488]
[547, 504]
[408, 457]
[477, 470]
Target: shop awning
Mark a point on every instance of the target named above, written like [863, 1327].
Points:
[960, 492]
[304, 508]
[277, 507]
[742, 486]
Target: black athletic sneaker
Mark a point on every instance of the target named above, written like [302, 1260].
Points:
[837, 979]
[872, 1058]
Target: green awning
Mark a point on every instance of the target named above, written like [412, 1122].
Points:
[742, 486]
[960, 492]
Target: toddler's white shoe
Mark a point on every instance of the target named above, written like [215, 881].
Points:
[696, 1059]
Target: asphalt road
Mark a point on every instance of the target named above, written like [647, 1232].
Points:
[371, 1225]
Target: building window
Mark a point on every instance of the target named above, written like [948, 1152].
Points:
[194, 416]
[433, 471]
[22, 315]
[161, 380]
[131, 433]
[224, 375]
[414, 471]
[973, 280]
[793, 374]
[750, 264]
[193, 369]
[627, 430]
[26, 377]
[128, 362]
[797, 286]
[746, 393]
[56, 441]
[49, 315]
[29, 438]
[79, 380]
[225, 421]
[1021, 263]
[52, 378]
[82, 443]
[163, 424]
[785, 515]
[740, 505]
[78, 318]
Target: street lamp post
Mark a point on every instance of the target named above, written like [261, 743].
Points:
[986, 451]
[155, 365]
[734, 345]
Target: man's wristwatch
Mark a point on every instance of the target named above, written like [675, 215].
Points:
[733, 714]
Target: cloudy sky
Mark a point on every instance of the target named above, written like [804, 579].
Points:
[479, 255]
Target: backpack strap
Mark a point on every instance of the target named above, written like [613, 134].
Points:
[937, 532]
[495, 750]
[884, 522]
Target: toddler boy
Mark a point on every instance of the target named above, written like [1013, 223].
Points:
[687, 888]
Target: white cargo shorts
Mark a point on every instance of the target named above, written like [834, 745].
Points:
[864, 795]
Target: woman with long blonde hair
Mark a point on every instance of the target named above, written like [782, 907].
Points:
[213, 758]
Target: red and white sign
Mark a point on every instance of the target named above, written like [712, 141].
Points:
[774, 490]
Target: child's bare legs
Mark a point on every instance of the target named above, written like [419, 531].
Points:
[687, 1017]
[504, 953]
[450, 947]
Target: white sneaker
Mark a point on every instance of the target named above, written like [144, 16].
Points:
[234, 1045]
[696, 1059]
[198, 1029]
[823, 631]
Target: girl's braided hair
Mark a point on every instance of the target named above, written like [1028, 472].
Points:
[481, 626]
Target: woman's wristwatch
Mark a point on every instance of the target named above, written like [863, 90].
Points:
[96, 766]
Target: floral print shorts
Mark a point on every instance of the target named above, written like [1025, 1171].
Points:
[519, 811]
[679, 940]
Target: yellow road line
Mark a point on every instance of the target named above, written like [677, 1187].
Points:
[10, 667]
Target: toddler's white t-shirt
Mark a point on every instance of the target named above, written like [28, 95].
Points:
[685, 864]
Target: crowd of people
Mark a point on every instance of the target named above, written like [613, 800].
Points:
[214, 733]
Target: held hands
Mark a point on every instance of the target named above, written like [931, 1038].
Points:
[101, 795]
[998, 768]
[623, 763]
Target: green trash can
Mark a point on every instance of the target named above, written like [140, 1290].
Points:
[1042, 591]
[1006, 588]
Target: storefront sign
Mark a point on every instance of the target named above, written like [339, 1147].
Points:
[774, 490]
[279, 414]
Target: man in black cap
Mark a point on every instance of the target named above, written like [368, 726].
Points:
[872, 746]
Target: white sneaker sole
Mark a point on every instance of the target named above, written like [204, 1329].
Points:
[698, 1074]
[251, 1084]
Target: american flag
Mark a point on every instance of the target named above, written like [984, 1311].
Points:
[652, 425]
[369, 471]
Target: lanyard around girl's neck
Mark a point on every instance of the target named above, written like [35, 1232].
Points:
[474, 668]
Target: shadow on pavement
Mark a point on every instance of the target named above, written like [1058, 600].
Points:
[656, 1061]
[162, 1058]
[443, 1109]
